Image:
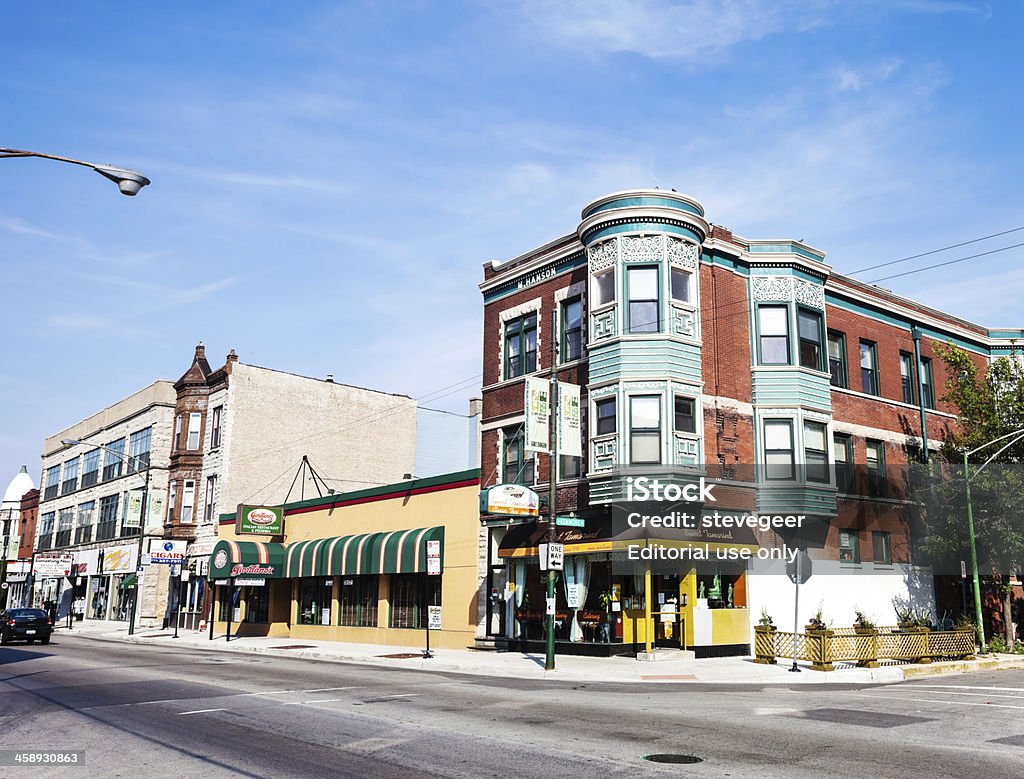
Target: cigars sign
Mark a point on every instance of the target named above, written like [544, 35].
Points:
[262, 520]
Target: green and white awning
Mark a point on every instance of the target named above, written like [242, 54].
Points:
[247, 558]
[399, 551]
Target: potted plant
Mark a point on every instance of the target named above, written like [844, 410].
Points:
[862, 624]
[908, 621]
[817, 623]
[764, 641]
[765, 622]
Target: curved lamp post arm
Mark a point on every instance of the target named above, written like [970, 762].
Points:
[128, 181]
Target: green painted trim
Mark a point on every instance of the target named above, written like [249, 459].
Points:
[755, 247]
[879, 315]
[598, 233]
[813, 278]
[730, 263]
[644, 200]
[567, 265]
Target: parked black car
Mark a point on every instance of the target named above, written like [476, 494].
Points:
[25, 625]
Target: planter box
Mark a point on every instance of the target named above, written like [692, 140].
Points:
[764, 644]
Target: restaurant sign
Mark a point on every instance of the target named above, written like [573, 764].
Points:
[264, 520]
[512, 500]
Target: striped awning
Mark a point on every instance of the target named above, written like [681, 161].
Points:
[398, 551]
[246, 558]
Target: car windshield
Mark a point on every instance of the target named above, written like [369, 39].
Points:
[26, 613]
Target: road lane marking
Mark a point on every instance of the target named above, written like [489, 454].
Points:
[198, 711]
[935, 700]
[331, 689]
[310, 703]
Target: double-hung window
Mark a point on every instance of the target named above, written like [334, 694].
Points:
[605, 409]
[773, 330]
[645, 429]
[842, 447]
[816, 452]
[604, 288]
[215, 427]
[837, 359]
[869, 368]
[521, 346]
[778, 449]
[70, 483]
[518, 463]
[52, 482]
[685, 419]
[195, 424]
[642, 285]
[188, 501]
[113, 459]
[876, 469]
[572, 330]
[927, 385]
[211, 499]
[90, 468]
[139, 444]
[809, 329]
[849, 546]
[680, 285]
[881, 551]
[907, 377]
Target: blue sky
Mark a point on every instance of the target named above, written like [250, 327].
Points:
[328, 178]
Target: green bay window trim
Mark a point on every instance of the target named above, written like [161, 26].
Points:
[685, 419]
[773, 335]
[517, 463]
[644, 302]
[779, 459]
[521, 346]
[816, 452]
[572, 330]
[90, 468]
[409, 596]
[869, 368]
[837, 359]
[810, 329]
[881, 551]
[849, 546]
[842, 447]
[927, 384]
[358, 599]
[605, 415]
[876, 469]
[907, 377]
[645, 429]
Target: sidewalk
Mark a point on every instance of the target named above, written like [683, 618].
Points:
[625, 670]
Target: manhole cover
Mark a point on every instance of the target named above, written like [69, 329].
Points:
[403, 655]
[675, 759]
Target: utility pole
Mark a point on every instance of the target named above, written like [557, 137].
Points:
[549, 657]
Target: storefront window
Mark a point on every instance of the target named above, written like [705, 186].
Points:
[256, 604]
[411, 593]
[358, 604]
[315, 601]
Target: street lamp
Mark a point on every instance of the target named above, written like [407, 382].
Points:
[1019, 435]
[128, 181]
[142, 518]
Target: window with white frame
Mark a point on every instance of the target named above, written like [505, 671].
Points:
[773, 333]
[642, 316]
[778, 449]
[604, 287]
[809, 327]
[211, 499]
[215, 427]
[195, 423]
[816, 452]
[188, 501]
[685, 418]
[177, 432]
[680, 283]
[645, 429]
[172, 499]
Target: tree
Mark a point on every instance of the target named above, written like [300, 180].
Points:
[990, 406]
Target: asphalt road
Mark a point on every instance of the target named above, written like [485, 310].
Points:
[156, 711]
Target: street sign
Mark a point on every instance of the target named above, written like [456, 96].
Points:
[147, 559]
[4, 586]
[804, 568]
[433, 566]
[570, 522]
[963, 570]
[140, 569]
[552, 557]
[433, 617]
[550, 607]
[433, 548]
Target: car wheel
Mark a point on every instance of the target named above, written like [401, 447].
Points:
[44, 640]
[3, 638]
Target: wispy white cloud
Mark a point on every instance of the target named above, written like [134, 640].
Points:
[76, 323]
[21, 227]
[851, 79]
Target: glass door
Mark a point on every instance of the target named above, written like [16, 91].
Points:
[665, 610]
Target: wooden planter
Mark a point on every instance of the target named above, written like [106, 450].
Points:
[764, 644]
[820, 648]
[867, 647]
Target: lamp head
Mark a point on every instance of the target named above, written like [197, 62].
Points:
[128, 181]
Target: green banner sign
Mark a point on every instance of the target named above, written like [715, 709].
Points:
[264, 520]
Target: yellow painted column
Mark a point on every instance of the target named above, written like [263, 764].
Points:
[648, 622]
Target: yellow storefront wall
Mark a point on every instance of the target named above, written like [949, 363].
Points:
[456, 509]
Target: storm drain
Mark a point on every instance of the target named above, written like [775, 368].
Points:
[674, 759]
